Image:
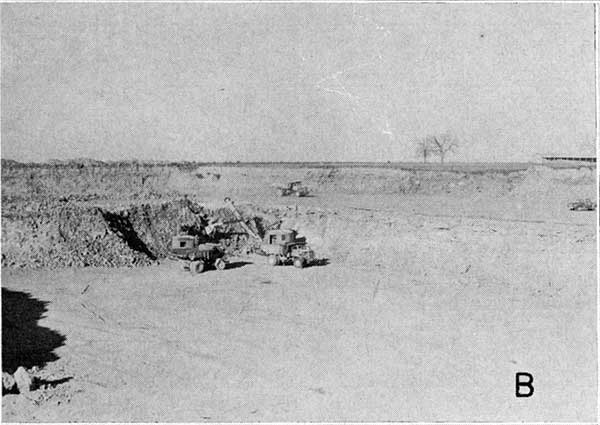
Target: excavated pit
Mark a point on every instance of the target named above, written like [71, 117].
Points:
[126, 216]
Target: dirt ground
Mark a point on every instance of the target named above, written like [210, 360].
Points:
[427, 306]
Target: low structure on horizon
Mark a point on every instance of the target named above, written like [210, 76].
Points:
[583, 159]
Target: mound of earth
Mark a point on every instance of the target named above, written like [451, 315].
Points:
[59, 234]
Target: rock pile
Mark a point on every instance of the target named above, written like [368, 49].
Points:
[20, 382]
[64, 234]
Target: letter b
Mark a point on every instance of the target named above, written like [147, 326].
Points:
[523, 379]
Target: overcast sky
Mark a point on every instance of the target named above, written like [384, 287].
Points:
[295, 82]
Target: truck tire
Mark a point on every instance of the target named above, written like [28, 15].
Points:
[273, 260]
[197, 267]
[299, 262]
[220, 264]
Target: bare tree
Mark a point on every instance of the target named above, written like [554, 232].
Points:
[423, 148]
[440, 145]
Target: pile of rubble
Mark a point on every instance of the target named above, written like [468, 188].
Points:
[20, 382]
[68, 235]
[64, 234]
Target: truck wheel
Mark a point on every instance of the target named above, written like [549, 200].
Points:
[273, 260]
[299, 262]
[220, 264]
[197, 267]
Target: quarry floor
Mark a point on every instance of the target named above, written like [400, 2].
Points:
[345, 341]
[428, 306]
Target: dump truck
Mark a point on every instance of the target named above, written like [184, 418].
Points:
[196, 257]
[293, 188]
[283, 247]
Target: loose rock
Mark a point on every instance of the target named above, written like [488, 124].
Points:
[23, 380]
[8, 382]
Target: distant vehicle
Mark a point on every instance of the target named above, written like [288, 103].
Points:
[283, 247]
[582, 205]
[293, 188]
[197, 257]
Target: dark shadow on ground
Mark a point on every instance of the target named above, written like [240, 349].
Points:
[48, 383]
[24, 342]
[13, 390]
[237, 264]
[319, 262]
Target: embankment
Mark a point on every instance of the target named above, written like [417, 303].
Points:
[126, 216]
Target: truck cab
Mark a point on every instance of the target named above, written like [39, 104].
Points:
[196, 256]
[282, 246]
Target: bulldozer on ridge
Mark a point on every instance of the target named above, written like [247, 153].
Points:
[293, 188]
[582, 205]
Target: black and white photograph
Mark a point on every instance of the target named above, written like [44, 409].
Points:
[295, 212]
